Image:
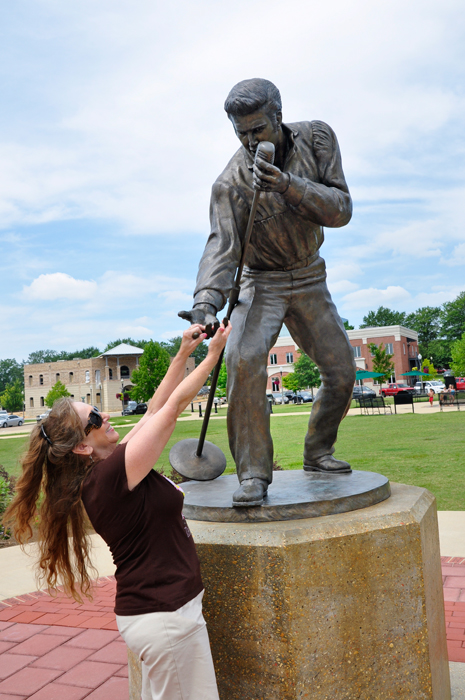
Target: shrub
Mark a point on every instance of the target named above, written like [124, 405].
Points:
[7, 488]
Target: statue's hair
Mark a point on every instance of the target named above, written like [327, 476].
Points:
[251, 95]
[49, 492]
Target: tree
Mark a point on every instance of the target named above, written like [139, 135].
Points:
[39, 356]
[57, 391]
[307, 372]
[153, 366]
[427, 366]
[10, 370]
[426, 322]
[291, 382]
[439, 352]
[12, 399]
[83, 354]
[173, 345]
[383, 317]
[381, 362]
[458, 357]
[348, 327]
[222, 380]
[453, 318]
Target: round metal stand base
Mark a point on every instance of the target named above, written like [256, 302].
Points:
[208, 466]
[293, 495]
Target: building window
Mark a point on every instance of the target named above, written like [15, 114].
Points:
[97, 398]
[41, 379]
[273, 359]
[97, 376]
[71, 377]
[403, 345]
[110, 373]
[389, 349]
[357, 350]
[72, 397]
[57, 377]
[42, 402]
[289, 357]
[373, 354]
[124, 372]
[88, 398]
[87, 376]
[275, 384]
[31, 402]
[30, 380]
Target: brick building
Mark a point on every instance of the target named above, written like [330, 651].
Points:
[399, 341]
[96, 381]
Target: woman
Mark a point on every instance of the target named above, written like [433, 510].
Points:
[75, 464]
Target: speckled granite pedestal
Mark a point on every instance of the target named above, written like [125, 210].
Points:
[339, 607]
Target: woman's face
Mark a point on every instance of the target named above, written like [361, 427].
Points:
[103, 440]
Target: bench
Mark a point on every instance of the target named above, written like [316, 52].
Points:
[403, 399]
[374, 403]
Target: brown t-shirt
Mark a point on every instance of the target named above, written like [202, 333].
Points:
[157, 568]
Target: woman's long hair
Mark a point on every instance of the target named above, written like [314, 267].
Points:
[50, 489]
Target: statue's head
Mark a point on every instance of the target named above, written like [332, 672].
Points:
[254, 108]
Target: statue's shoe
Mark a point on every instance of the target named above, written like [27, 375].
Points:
[327, 464]
[251, 492]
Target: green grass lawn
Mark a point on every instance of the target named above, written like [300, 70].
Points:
[423, 450]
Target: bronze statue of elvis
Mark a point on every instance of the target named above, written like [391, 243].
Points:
[284, 280]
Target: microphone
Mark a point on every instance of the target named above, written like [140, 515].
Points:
[265, 150]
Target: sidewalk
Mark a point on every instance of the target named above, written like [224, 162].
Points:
[52, 648]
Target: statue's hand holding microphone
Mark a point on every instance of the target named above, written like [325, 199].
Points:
[266, 178]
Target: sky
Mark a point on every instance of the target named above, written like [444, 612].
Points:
[112, 132]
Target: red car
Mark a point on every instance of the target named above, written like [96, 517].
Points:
[394, 389]
[460, 382]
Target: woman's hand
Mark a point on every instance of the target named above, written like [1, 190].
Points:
[218, 341]
[188, 342]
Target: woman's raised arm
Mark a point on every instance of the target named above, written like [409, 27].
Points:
[145, 446]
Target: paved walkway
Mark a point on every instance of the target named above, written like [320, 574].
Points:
[52, 648]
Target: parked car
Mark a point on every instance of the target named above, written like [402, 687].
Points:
[435, 385]
[42, 416]
[291, 396]
[394, 389]
[10, 420]
[305, 396]
[133, 408]
[278, 397]
[365, 391]
[3, 414]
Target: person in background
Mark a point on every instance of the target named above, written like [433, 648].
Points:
[74, 464]
[431, 397]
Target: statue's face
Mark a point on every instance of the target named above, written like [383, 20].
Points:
[256, 127]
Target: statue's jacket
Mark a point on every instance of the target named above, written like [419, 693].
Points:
[288, 228]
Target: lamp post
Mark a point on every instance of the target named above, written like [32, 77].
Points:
[122, 394]
[419, 367]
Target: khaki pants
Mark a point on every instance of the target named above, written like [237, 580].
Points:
[175, 653]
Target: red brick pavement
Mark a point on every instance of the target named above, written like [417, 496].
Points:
[453, 581]
[52, 648]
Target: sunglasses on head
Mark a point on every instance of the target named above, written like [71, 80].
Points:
[95, 420]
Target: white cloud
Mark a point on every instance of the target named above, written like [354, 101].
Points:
[59, 285]
[457, 258]
[372, 298]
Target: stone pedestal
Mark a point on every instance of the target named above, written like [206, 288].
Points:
[339, 607]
